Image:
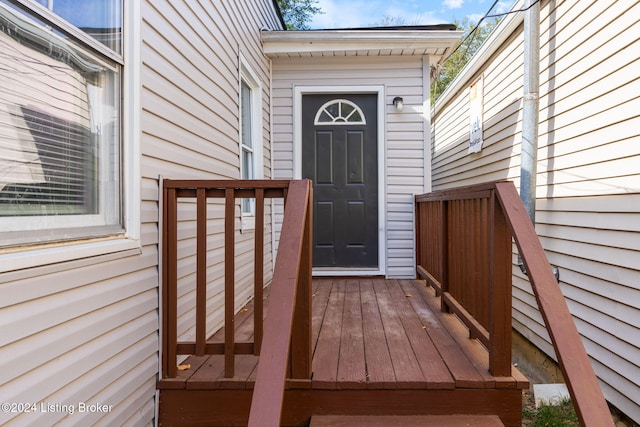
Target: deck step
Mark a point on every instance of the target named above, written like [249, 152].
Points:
[406, 420]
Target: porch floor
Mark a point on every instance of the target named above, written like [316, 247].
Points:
[380, 347]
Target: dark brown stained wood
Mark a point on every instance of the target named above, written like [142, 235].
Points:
[268, 393]
[433, 367]
[208, 374]
[500, 290]
[351, 365]
[245, 368]
[383, 396]
[326, 356]
[583, 385]
[229, 280]
[424, 303]
[380, 373]
[301, 334]
[470, 348]
[258, 275]
[473, 273]
[443, 254]
[171, 283]
[182, 377]
[406, 421]
[321, 291]
[407, 369]
[230, 407]
[185, 184]
[201, 272]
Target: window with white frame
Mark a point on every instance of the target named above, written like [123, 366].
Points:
[250, 132]
[60, 120]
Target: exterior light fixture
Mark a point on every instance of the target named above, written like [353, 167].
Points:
[398, 103]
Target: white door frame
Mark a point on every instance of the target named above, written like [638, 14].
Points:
[299, 91]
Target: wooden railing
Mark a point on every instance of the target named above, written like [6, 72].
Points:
[463, 239]
[464, 252]
[290, 288]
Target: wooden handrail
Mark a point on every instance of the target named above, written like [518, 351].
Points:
[586, 394]
[439, 253]
[290, 291]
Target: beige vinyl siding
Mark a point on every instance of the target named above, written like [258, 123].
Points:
[588, 182]
[404, 133]
[87, 330]
[82, 331]
[190, 123]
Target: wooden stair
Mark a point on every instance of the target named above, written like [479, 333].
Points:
[406, 421]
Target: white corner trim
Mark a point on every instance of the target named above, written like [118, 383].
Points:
[379, 90]
[132, 133]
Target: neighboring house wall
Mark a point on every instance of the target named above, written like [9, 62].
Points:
[588, 183]
[86, 330]
[404, 132]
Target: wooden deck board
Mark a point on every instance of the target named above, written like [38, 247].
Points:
[434, 369]
[462, 370]
[351, 365]
[380, 373]
[381, 347]
[327, 354]
[367, 333]
[406, 366]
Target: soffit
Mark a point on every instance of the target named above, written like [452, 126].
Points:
[301, 44]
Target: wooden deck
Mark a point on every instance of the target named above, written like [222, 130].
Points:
[381, 347]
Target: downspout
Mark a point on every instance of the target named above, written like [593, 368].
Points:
[529, 147]
[530, 116]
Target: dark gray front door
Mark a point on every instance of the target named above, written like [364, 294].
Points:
[339, 153]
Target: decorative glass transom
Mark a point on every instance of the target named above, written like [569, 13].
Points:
[339, 112]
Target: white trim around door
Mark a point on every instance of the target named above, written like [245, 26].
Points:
[299, 91]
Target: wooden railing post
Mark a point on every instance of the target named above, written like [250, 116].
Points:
[258, 277]
[170, 283]
[229, 283]
[201, 272]
[444, 254]
[301, 353]
[499, 291]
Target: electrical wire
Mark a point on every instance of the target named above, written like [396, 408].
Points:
[487, 15]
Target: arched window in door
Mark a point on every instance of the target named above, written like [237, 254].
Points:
[339, 112]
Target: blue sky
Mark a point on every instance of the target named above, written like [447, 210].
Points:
[363, 13]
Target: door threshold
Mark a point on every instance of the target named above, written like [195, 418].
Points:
[342, 271]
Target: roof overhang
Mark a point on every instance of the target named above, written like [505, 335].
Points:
[361, 42]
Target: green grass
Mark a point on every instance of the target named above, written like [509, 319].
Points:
[552, 416]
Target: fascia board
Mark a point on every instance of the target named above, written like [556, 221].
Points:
[284, 42]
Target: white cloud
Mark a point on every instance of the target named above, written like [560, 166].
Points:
[453, 4]
[344, 14]
[503, 6]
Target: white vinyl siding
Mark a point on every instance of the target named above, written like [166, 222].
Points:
[404, 133]
[588, 183]
[194, 56]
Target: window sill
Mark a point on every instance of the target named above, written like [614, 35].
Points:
[40, 256]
